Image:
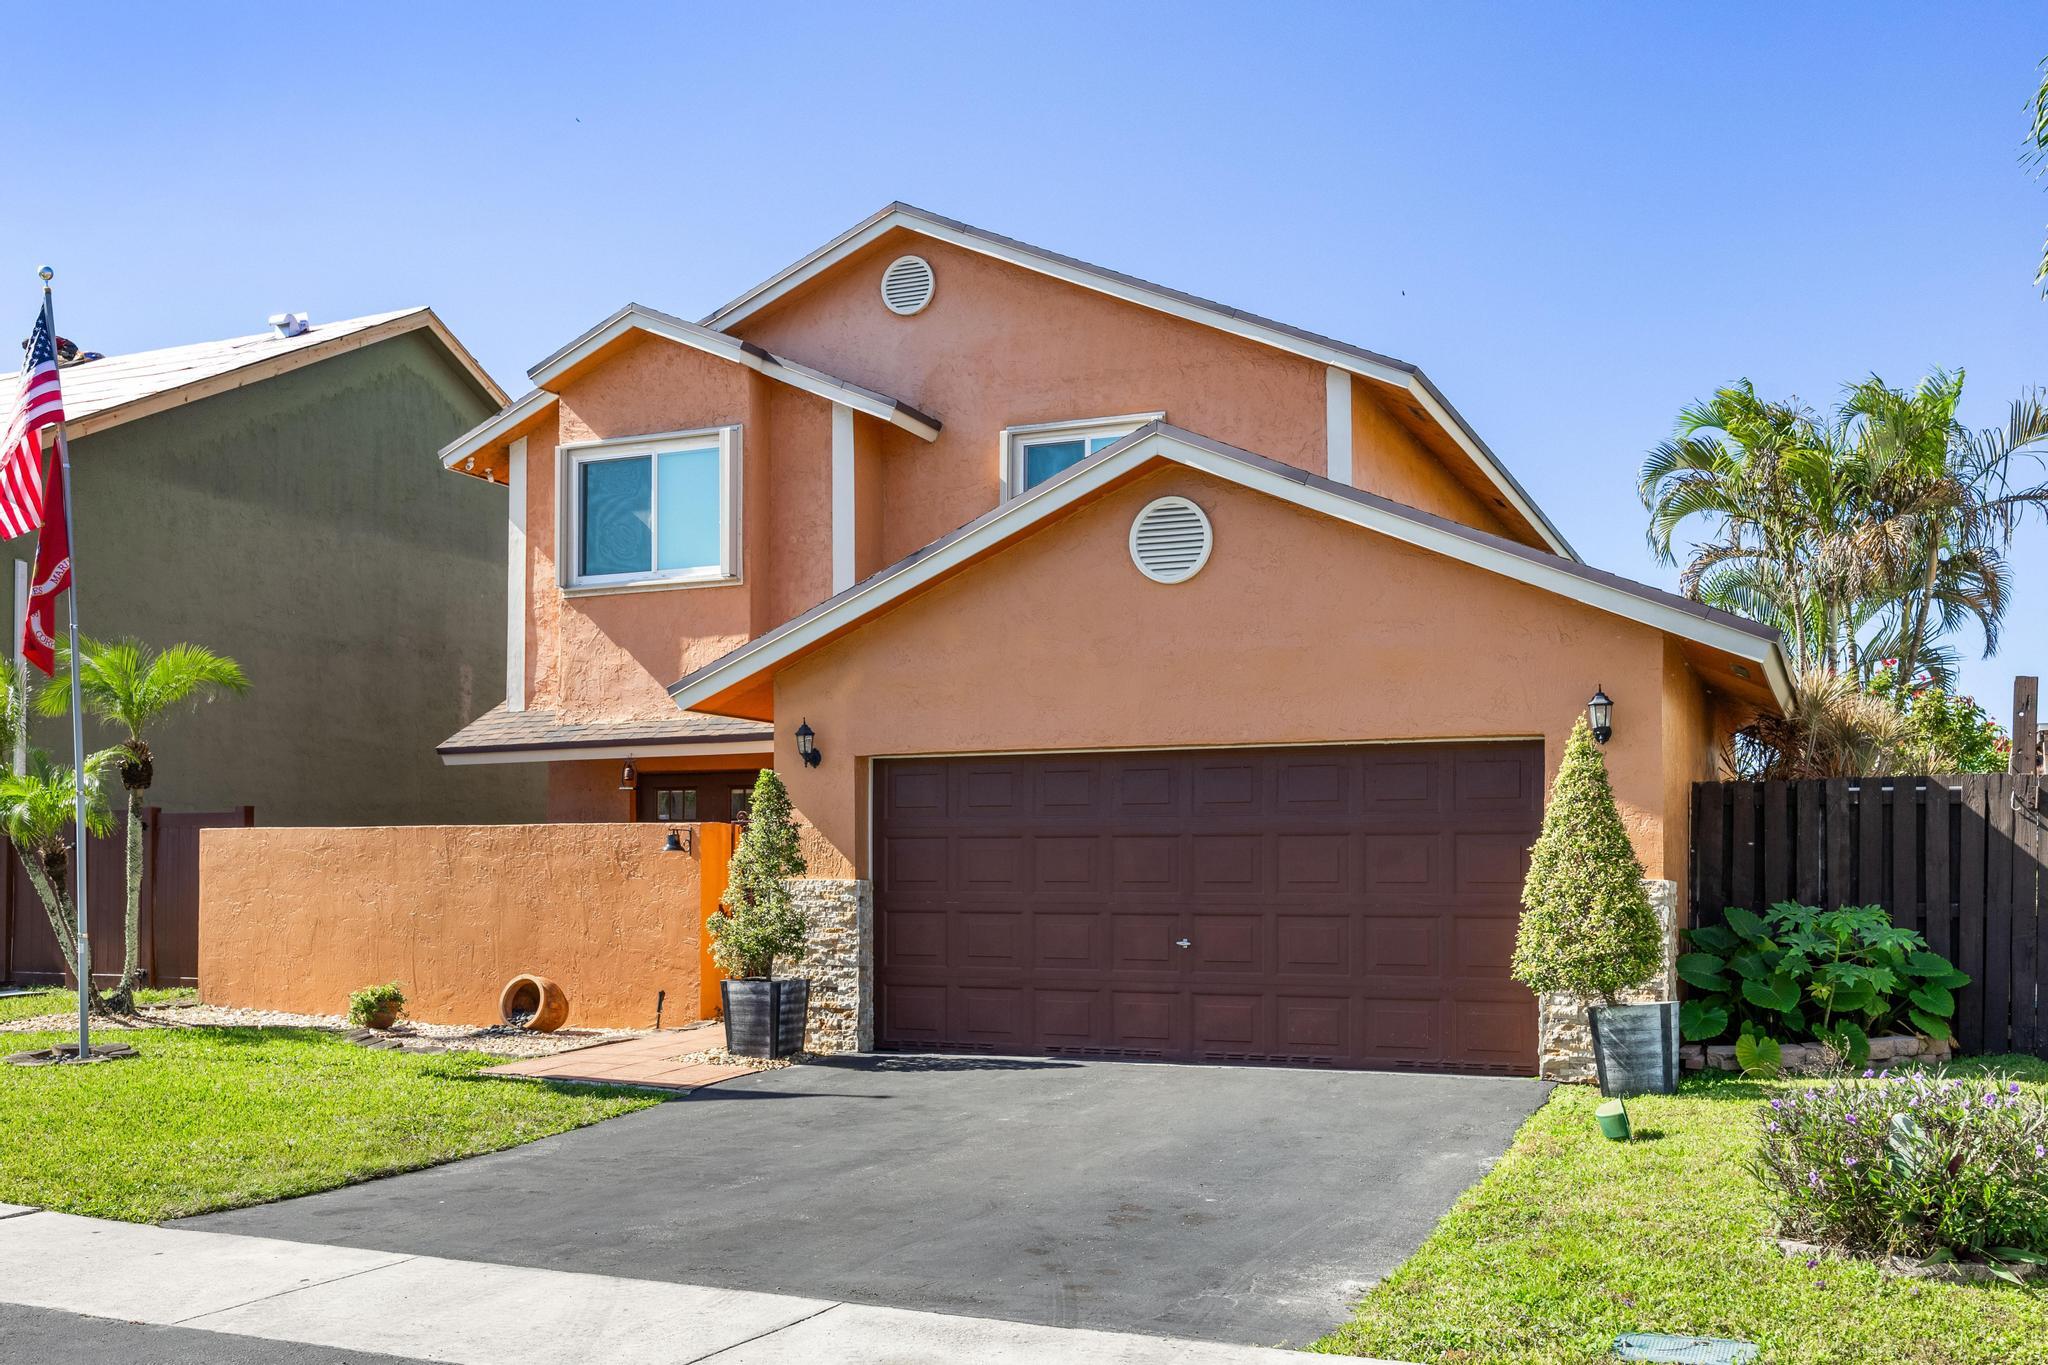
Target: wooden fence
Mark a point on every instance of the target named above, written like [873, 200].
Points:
[1963, 860]
[169, 939]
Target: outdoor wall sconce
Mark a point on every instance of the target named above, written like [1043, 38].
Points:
[628, 779]
[807, 745]
[1600, 715]
[678, 840]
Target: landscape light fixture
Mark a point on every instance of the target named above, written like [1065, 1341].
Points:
[628, 779]
[1600, 715]
[807, 745]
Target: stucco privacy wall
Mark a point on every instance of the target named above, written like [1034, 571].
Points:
[1358, 638]
[295, 919]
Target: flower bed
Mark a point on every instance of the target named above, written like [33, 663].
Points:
[1801, 1059]
[1912, 1164]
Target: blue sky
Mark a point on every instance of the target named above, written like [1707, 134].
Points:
[1575, 217]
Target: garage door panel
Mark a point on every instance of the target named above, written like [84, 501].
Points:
[1068, 865]
[1342, 906]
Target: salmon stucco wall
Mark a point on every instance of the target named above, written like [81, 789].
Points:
[295, 919]
[1359, 638]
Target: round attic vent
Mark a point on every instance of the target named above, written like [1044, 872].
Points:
[907, 285]
[1171, 540]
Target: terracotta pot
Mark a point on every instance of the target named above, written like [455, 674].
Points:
[764, 1017]
[382, 1019]
[537, 997]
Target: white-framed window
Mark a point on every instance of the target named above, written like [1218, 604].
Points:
[652, 510]
[1032, 454]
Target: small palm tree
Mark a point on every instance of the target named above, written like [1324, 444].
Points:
[38, 814]
[130, 685]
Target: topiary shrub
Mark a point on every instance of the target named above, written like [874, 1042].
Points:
[1587, 927]
[756, 921]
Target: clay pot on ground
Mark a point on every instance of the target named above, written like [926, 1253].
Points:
[765, 1017]
[382, 1019]
[533, 1003]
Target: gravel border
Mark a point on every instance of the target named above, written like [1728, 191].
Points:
[498, 1040]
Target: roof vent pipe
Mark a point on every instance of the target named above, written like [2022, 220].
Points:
[289, 324]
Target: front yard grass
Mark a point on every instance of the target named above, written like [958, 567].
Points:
[1573, 1240]
[28, 1006]
[216, 1118]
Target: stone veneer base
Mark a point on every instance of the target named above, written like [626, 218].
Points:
[839, 961]
[1564, 1041]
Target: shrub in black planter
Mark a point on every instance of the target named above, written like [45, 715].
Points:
[758, 923]
[1587, 928]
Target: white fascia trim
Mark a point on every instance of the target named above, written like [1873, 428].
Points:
[1409, 381]
[1050, 498]
[1337, 424]
[749, 747]
[842, 498]
[515, 578]
[493, 429]
[728, 348]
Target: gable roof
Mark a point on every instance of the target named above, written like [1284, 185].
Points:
[714, 687]
[1342, 355]
[538, 735]
[104, 393]
[635, 317]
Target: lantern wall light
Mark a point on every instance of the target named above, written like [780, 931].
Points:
[1600, 715]
[807, 745]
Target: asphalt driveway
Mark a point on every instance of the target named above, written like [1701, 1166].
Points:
[1234, 1204]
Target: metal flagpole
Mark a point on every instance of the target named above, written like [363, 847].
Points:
[78, 856]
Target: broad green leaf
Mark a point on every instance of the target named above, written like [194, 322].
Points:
[1758, 1055]
[1745, 923]
[1778, 992]
[1701, 1022]
[1929, 964]
[1751, 964]
[2017, 1254]
[1934, 1028]
[1934, 999]
[1704, 970]
[1849, 1041]
[1955, 980]
[1853, 998]
[1713, 938]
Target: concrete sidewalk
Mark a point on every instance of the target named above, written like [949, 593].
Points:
[426, 1307]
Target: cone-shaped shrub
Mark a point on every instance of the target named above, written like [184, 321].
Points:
[757, 921]
[1587, 926]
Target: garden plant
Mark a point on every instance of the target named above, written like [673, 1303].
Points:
[757, 922]
[1798, 972]
[1911, 1163]
[1587, 928]
[374, 1002]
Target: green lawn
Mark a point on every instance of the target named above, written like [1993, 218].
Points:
[14, 1007]
[217, 1118]
[1573, 1240]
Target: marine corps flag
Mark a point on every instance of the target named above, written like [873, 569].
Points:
[52, 576]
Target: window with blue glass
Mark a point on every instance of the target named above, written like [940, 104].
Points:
[1035, 454]
[657, 510]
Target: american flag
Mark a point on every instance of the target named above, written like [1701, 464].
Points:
[39, 404]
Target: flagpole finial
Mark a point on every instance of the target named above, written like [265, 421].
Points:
[46, 275]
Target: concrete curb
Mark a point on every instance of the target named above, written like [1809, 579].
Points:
[477, 1313]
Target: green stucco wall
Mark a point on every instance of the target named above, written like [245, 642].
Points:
[303, 525]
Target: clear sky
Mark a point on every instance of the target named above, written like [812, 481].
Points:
[1575, 217]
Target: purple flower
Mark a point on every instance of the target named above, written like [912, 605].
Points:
[1813, 1180]
[2013, 1088]
[1775, 1129]
[2040, 1151]
[1849, 1161]
[1777, 1104]
[1812, 1261]
[1868, 1073]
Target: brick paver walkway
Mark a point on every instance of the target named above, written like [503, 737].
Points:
[648, 1061]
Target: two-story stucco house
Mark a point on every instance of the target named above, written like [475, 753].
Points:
[1177, 683]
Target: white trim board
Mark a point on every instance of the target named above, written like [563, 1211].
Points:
[515, 578]
[569, 754]
[842, 498]
[1381, 369]
[1154, 442]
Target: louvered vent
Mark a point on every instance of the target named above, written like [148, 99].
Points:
[907, 285]
[1171, 540]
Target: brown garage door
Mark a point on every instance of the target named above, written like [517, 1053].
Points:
[1346, 906]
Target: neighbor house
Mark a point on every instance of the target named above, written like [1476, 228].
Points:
[263, 496]
[1153, 679]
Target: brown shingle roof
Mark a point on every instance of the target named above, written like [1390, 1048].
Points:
[501, 731]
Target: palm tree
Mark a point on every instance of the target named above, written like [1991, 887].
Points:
[1941, 509]
[38, 814]
[126, 683]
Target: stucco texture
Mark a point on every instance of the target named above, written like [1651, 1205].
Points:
[303, 526]
[1301, 629]
[295, 919]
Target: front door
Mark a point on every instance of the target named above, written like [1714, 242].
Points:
[687, 798]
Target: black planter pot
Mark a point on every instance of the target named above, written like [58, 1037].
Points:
[764, 1017]
[1635, 1048]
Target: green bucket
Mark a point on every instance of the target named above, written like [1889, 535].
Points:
[1613, 1119]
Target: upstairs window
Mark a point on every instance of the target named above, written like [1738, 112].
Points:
[654, 510]
[1033, 454]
